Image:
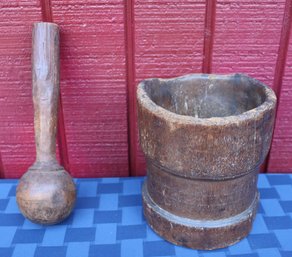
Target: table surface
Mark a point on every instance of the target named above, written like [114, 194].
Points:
[108, 222]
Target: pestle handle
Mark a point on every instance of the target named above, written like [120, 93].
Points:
[45, 89]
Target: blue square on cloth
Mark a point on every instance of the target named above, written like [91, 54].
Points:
[6, 252]
[108, 216]
[54, 236]
[107, 250]
[106, 233]
[284, 237]
[131, 232]
[108, 202]
[268, 193]
[3, 204]
[271, 252]
[158, 248]
[80, 234]
[110, 188]
[12, 206]
[263, 181]
[244, 255]
[130, 200]
[12, 191]
[258, 241]
[87, 203]
[279, 179]
[24, 250]
[4, 190]
[285, 192]
[132, 215]
[28, 236]
[11, 181]
[13, 219]
[286, 253]
[132, 186]
[260, 208]
[50, 251]
[78, 249]
[259, 225]
[87, 189]
[272, 207]
[286, 206]
[6, 236]
[132, 247]
[30, 225]
[83, 218]
[279, 222]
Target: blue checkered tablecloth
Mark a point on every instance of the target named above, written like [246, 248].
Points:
[108, 222]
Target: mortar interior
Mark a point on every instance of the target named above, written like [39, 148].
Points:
[203, 97]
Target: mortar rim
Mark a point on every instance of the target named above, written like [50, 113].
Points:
[253, 114]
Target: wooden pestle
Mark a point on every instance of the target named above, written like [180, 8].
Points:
[46, 193]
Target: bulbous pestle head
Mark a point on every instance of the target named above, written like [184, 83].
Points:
[46, 196]
[46, 193]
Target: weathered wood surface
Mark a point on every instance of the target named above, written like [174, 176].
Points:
[201, 186]
[46, 193]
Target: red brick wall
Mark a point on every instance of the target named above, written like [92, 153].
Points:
[108, 46]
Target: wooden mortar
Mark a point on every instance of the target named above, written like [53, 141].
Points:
[204, 138]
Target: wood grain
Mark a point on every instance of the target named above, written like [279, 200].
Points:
[45, 88]
[62, 153]
[46, 193]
